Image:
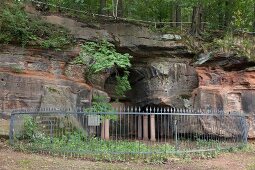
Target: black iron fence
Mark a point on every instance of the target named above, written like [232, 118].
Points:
[126, 131]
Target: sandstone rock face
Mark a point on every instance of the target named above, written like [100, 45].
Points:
[160, 74]
[137, 40]
[218, 126]
[36, 78]
[163, 81]
[230, 91]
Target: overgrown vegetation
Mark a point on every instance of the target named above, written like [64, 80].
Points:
[17, 27]
[102, 57]
[78, 144]
[239, 45]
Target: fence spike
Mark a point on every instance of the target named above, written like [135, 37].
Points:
[132, 108]
[153, 109]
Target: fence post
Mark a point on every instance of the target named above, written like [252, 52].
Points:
[103, 130]
[176, 135]
[139, 127]
[11, 131]
[245, 130]
[51, 131]
[145, 127]
[152, 129]
[106, 129]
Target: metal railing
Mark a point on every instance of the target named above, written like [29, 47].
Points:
[126, 131]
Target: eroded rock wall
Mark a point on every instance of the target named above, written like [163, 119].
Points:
[232, 91]
[34, 78]
[163, 81]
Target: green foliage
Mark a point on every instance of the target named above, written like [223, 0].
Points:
[82, 146]
[102, 57]
[240, 45]
[19, 28]
[98, 149]
[123, 84]
[99, 105]
[16, 69]
[30, 128]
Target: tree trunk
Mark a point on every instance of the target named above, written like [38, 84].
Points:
[196, 26]
[173, 15]
[178, 15]
[101, 7]
[254, 17]
[227, 14]
[120, 8]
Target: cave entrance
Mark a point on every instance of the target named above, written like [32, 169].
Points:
[142, 124]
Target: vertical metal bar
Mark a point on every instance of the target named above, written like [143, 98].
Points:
[139, 126]
[145, 127]
[176, 134]
[11, 131]
[245, 130]
[51, 132]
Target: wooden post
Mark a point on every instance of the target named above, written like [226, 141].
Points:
[140, 127]
[152, 128]
[145, 127]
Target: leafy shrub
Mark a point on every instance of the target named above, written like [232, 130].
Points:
[123, 84]
[243, 46]
[102, 57]
[100, 104]
[19, 28]
[30, 129]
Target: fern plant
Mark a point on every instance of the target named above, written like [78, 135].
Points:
[102, 57]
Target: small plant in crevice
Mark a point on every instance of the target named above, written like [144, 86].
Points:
[123, 84]
[16, 69]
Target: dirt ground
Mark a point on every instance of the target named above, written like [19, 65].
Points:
[10, 159]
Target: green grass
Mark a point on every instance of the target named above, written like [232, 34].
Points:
[76, 145]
